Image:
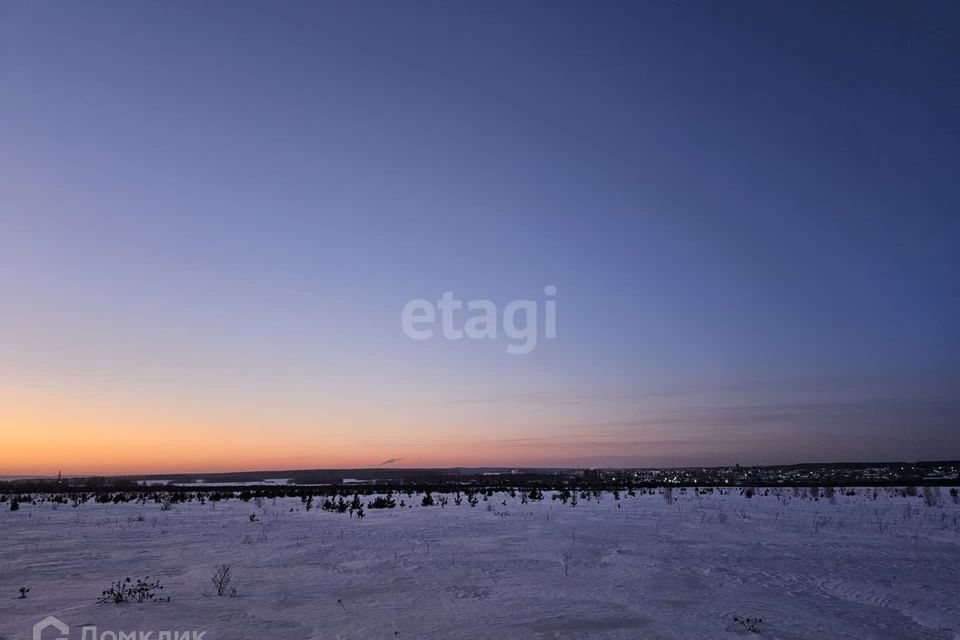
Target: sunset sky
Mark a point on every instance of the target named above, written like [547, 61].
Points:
[212, 216]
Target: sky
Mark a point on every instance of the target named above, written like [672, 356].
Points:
[212, 216]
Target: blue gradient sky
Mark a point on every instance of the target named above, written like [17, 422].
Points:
[212, 216]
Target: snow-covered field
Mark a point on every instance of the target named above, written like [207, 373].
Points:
[635, 568]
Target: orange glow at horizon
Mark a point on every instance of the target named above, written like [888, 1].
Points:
[89, 434]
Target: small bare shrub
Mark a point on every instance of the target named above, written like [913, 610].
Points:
[143, 590]
[931, 496]
[221, 581]
[747, 624]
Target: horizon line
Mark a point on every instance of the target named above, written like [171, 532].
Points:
[472, 468]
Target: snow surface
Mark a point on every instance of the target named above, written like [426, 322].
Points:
[861, 568]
